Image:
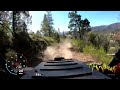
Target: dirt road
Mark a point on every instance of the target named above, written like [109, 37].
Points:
[84, 58]
[63, 50]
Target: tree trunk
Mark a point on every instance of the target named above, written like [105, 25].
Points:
[80, 36]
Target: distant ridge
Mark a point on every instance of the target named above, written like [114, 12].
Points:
[107, 28]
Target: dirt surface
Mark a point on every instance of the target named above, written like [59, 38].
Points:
[84, 58]
[63, 49]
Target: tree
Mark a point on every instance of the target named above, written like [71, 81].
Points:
[22, 42]
[4, 17]
[20, 20]
[58, 30]
[57, 37]
[5, 39]
[50, 22]
[116, 37]
[92, 38]
[5, 20]
[38, 32]
[85, 26]
[106, 45]
[63, 34]
[99, 41]
[73, 23]
[77, 25]
[45, 26]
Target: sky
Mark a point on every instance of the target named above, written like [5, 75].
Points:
[61, 20]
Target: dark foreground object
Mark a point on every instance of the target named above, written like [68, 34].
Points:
[63, 69]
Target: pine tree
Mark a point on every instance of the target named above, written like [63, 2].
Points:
[58, 30]
[50, 22]
[38, 32]
[45, 26]
[77, 25]
[20, 20]
[5, 37]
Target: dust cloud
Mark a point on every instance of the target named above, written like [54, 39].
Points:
[60, 50]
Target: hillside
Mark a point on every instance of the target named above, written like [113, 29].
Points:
[107, 28]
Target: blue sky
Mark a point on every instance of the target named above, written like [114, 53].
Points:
[61, 19]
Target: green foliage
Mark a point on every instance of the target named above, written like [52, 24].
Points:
[63, 34]
[106, 45]
[22, 41]
[47, 28]
[50, 40]
[99, 41]
[10, 55]
[112, 50]
[78, 44]
[100, 54]
[40, 42]
[92, 39]
[20, 20]
[75, 23]
[57, 38]
[5, 39]
[50, 21]
[74, 19]
[38, 32]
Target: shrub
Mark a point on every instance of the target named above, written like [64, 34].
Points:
[5, 41]
[100, 54]
[10, 55]
[98, 41]
[79, 44]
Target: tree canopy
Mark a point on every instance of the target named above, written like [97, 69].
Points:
[77, 25]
